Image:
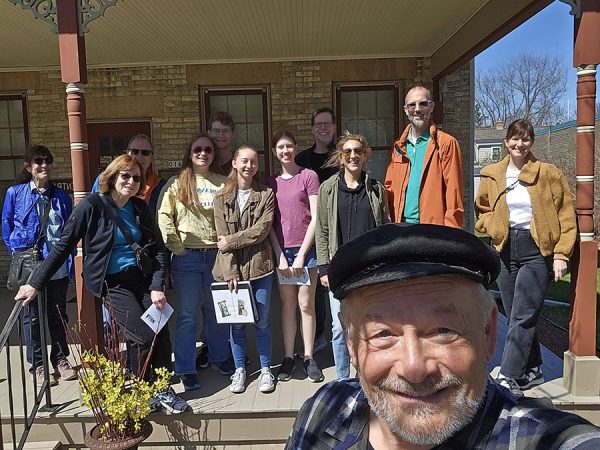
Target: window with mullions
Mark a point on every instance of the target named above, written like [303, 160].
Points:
[374, 111]
[13, 135]
[249, 109]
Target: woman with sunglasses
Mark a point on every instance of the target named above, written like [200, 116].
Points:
[350, 204]
[22, 215]
[187, 222]
[244, 212]
[525, 206]
[110, 269]
[293, 238]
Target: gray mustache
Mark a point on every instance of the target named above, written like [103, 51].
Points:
[427, 387]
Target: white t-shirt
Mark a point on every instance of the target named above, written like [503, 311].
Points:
[518, 201]
[242, 198]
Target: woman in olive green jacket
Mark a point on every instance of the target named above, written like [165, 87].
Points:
[243, 216]
[525, 206]
[350, 203]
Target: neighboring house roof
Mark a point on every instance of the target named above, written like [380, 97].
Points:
[489, 134]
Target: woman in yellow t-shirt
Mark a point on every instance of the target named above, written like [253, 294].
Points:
[187, 223]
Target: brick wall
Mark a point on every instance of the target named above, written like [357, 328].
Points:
[559, 148]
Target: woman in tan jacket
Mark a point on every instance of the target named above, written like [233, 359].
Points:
[243, 217]
[525, 206]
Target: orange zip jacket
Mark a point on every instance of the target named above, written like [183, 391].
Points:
[441, 193]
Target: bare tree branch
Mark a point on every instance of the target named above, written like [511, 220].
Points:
[528, 86]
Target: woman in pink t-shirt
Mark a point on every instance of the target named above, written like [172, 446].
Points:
[293, 240]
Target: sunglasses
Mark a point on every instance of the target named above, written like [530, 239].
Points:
[411, 106]
[198, 150]
[359, 151]
[127, 176]
[135, 152]
[40, 161]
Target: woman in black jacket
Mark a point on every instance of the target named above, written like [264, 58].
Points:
[110, 270]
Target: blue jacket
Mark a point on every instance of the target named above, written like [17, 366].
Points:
[21, 222]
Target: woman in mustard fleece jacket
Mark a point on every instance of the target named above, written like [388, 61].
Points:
[525, 206]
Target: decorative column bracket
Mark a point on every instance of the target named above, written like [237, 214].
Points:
[46, 10]
[575, 7]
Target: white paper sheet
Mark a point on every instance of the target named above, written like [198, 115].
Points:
[234, 307]
[155, 318]
[302, 280]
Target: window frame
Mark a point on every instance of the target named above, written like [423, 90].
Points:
[395, 86]
[206, 92]
[23, 98]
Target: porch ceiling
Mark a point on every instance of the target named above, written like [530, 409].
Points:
[207, 31]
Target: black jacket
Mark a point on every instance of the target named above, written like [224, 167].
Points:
[314, 161]
[91, 222]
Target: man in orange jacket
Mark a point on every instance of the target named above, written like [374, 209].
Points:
[424, 180]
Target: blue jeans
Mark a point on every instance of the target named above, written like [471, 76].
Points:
[262, 293]
[338, 343]
[523, 280]
[192, 278]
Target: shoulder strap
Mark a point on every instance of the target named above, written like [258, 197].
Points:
[44, 220]
[134, 245]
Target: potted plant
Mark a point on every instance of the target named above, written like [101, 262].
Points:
[118, 399]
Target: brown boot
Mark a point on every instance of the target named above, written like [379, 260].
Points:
[65, 370]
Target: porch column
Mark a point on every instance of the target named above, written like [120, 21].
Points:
[581, 365]
[74, 74]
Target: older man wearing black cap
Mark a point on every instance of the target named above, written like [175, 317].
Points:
[420, 327]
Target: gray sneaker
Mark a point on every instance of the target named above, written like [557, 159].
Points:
[238, 381]
[510, 384]
[266, 380]
[172, 402]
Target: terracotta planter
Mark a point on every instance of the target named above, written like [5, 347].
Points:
[92, 441]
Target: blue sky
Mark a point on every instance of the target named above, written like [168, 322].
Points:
[550, 31]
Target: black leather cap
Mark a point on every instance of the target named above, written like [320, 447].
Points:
[395, 252]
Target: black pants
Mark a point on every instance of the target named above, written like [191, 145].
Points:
[127, 299]
[523, 280]
[321, 302]
[56, 307]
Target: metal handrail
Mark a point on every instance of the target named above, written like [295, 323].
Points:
[16, 320]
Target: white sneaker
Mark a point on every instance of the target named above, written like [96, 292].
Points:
[266, 380]
[238, 381]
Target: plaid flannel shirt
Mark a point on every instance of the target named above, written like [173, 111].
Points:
[336, 417]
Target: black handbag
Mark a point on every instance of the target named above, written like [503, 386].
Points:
[142, 259]
[23, 263]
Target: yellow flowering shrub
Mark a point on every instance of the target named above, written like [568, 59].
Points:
[117, 398]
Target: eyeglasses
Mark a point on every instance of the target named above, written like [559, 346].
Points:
[323, 124]
[411, 106]
[127, 176]
[135, 152]
[198, 150]
[359, 151]
[220, 130]
[40, 161]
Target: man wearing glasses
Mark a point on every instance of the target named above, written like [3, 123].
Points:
[141, 149]
[424, 180]
[220, 128]
[322, 122]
